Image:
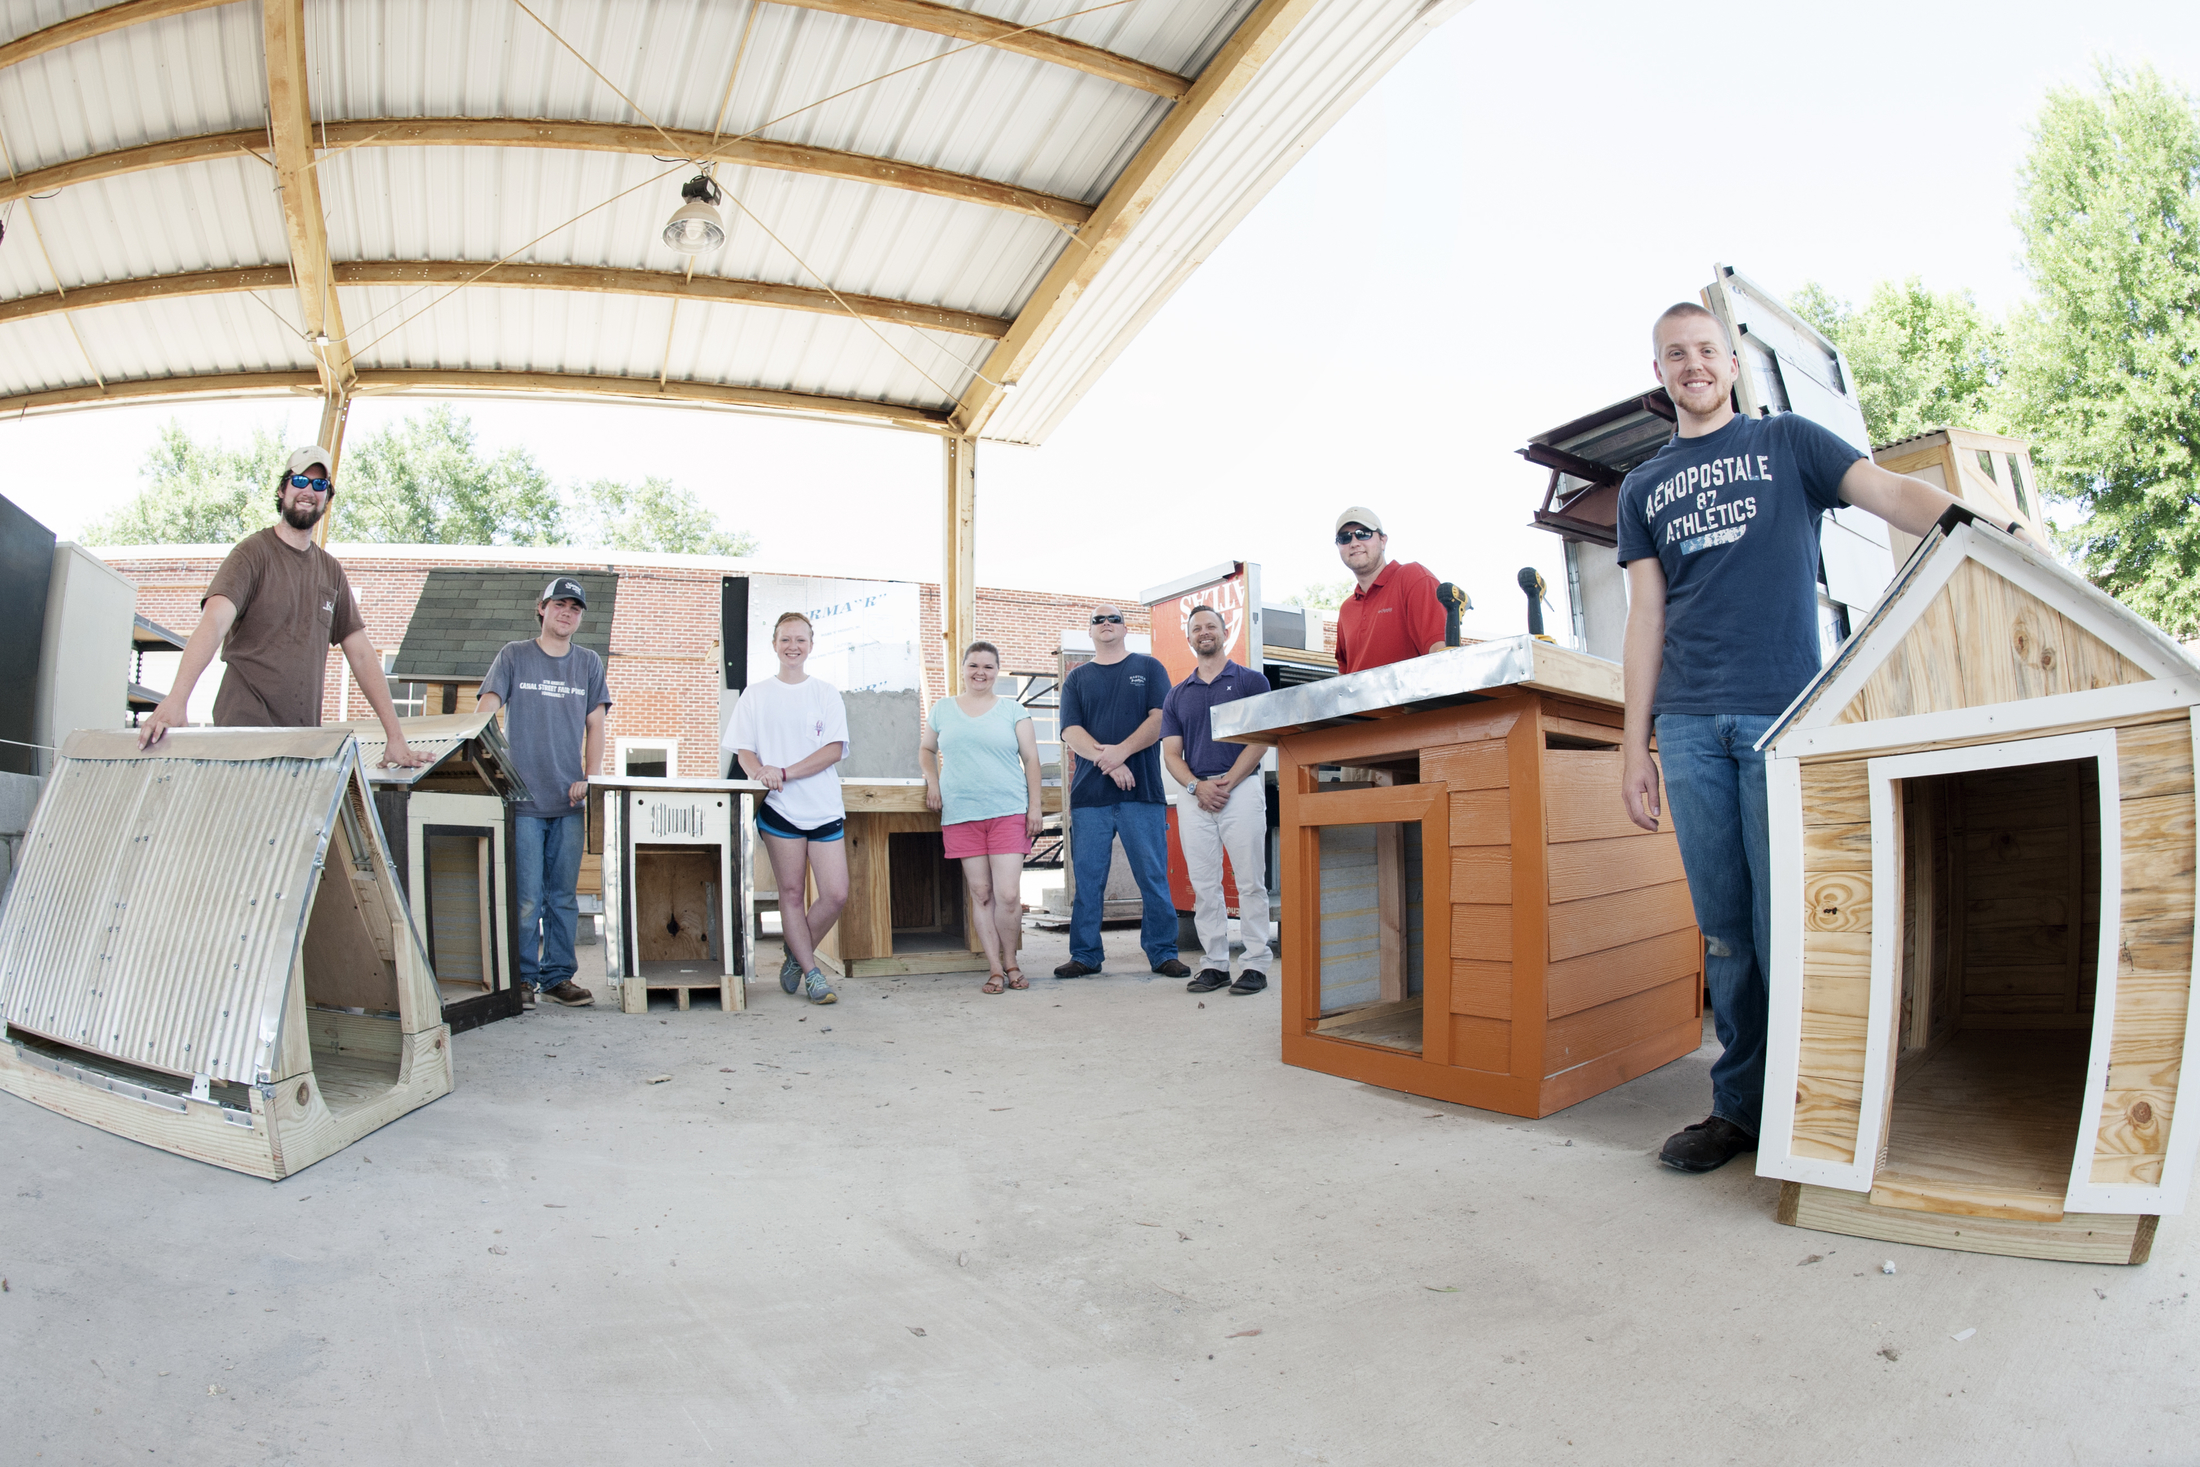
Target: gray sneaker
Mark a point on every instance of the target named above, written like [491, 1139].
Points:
[790, 974]
[816, 989]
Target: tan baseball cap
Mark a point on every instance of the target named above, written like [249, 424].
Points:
[305, 458]
[1360, 514]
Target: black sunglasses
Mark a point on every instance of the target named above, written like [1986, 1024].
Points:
[318, 486]
[1107, 616]
[1346, 537]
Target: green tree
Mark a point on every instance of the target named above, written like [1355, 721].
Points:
[2105, 360]
[1322, 595]
[1922, 359]
[423, 482]
[197, 493]
[653, 515]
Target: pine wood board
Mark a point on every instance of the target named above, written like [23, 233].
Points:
[896, 964]
[1837, 792]
[2077, 1237]
[1986, 1126]
[2153, 977]
[1393, 1025]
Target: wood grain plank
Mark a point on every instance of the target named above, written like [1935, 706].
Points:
[1483, 932]
[1580, 1037]
[2153, 985]
[1589, 868]
[1483, 989]
[2077, 1237]
[1837, 848]
[1482, 874]
[1615, 972]
[1481, 1044]
[1837, 793]
[1581, 799]
[1476, 766]
[2154, 759]
[1604, 922]
[1481, 817]
[1837, 901]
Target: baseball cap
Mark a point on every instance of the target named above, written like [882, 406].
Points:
[305, 458]
[564, 588]
[1360, 514]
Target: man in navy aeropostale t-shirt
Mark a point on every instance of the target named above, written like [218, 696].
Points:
[1111, 723]
[1719, 535]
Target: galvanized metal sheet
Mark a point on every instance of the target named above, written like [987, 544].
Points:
[161, 897]
[1439, 680]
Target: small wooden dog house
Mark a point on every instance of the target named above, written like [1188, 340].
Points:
[450, 827]
[1983, 898]
[679, 858]
[206, 949]
[1468, 913]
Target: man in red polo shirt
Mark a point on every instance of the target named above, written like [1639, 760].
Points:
[1393, 614]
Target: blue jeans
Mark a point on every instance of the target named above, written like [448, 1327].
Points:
[1715, 786]
[545, 866]
[1144, 829]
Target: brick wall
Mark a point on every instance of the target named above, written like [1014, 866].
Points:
[665, 668]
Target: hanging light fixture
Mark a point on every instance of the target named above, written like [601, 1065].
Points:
[695, 228]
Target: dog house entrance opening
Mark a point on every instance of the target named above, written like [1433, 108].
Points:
[1369, 963]
[2001, 910]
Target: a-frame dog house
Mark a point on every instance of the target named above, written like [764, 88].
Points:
[206, 949]
[1983, 900]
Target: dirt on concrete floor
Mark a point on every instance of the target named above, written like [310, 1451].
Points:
[1095, 1222]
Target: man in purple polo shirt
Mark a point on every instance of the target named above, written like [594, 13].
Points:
[1228, 812]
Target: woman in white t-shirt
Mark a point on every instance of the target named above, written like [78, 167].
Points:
[788, 732]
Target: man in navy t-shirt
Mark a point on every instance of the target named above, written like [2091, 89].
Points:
[1111, 722]
[1719, 534]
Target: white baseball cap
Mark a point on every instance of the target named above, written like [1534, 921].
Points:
[1360, 514]
[305, 458]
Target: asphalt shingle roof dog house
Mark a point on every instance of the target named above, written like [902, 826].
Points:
[206, 949]
[1983, 899]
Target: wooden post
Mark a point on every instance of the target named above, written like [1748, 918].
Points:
[1390, 911]
[958, 560]
[335, 412]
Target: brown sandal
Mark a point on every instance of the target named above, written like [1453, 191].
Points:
[992, 983]
[1016, 978]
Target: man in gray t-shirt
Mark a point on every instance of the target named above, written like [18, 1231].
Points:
[556, 697]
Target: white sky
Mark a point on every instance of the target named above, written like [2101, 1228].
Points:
[1472, 256]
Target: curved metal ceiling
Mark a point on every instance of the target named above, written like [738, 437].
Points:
[927, 204]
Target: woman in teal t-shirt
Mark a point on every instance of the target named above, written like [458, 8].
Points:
[981, 772]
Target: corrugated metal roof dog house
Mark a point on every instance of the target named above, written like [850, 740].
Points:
[1983, 902]
[206, 949]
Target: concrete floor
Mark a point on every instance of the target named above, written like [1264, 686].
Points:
[1090, 1223]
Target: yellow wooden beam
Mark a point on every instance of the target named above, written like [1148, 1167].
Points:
[966, 25]
[1112, 221]
[958, 555]
[96, 23]
[290, 124]
[585, 137]
[660, 283]
[378, 382]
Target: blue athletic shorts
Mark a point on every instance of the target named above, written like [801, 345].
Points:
[771, 822]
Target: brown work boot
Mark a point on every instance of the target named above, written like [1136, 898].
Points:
[570, 994]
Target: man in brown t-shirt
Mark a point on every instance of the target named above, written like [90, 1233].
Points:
[275, 607]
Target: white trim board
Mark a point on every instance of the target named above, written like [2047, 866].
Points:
[2056, 710]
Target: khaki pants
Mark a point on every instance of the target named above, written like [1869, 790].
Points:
[1241, 829]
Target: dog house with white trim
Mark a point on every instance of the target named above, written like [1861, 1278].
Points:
[206, 949]
[1982, 974]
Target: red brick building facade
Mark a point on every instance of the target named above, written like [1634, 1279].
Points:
[665, 668]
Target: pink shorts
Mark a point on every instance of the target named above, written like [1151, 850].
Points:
[1003, 836]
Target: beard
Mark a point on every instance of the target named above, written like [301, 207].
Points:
[304, 514]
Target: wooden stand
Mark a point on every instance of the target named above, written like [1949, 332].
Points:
[678, 859]
[1468, 914]
[193, 975]
[1983, 905]
[907, 911]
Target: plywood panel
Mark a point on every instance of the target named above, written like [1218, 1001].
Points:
[1830, 1061]
[1613, 921]
[1984, 641]
[343, 968]
[1984, 1127]
[1580, 1037]
[866, 925]
[1600, 977]
[672, 913]
[1476, 766]
[1481, 817]
[1481, 988]
[1589, 868]
[454, 907]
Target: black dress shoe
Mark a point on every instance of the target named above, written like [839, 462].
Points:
[1706, 1146]
[1252, 980]
[1171, 968]
[1074, 969]
[1208, 981]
